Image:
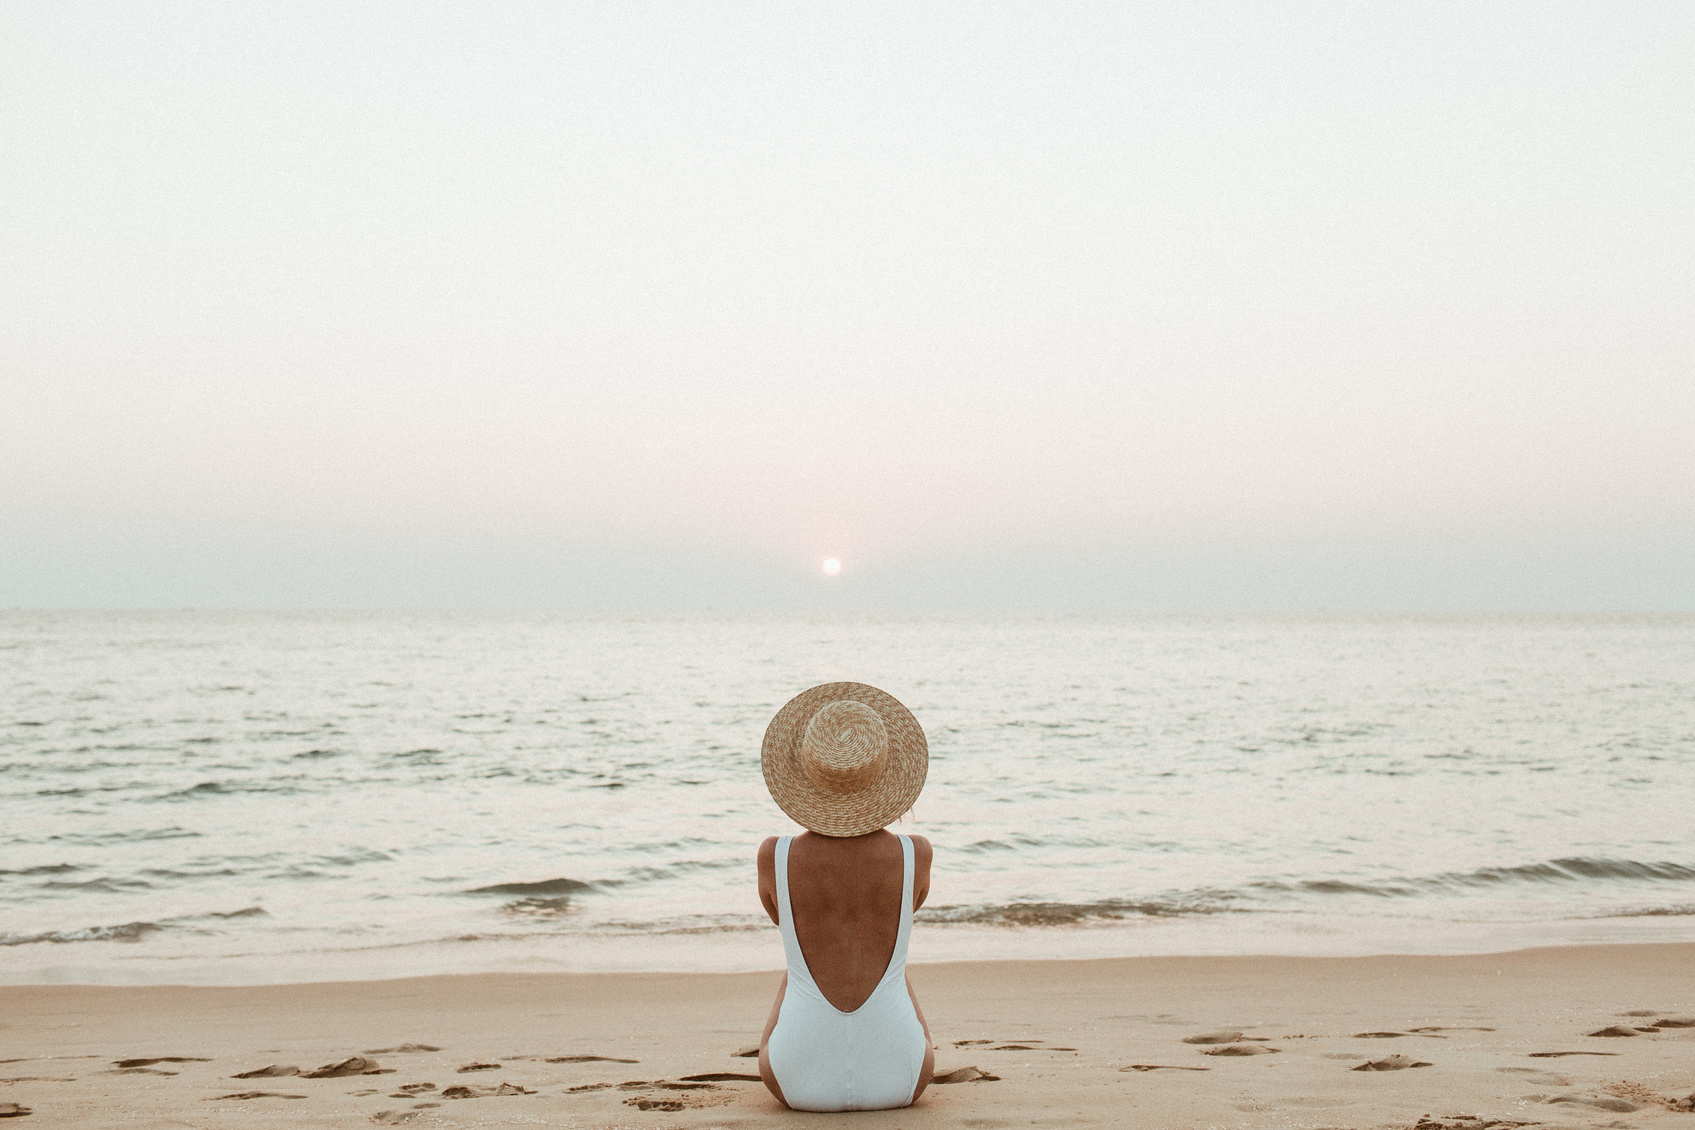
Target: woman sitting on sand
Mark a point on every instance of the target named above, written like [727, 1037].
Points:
[843, 760]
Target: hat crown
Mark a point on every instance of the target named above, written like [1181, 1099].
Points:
[845, 746]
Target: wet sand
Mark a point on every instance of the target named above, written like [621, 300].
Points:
[1149, 1042]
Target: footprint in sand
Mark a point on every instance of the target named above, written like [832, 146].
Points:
[1675, 1022]
[741, 1053]
[1222, 1036]
[1439, 1028]
[485, 1092]
[599, 1058]
[254, 1095]
[632, 1085]
[413, 1088]
[964, 1075]
[1599, 1102]
[681, 1102]
[1557, 1055]
[353, 1065]
[391, 1117]
[160, 1059]
[1532, 1075]
[270, 1071]
[1640, 1093]
[403, 1049]
[721, 1077]
[1615, 1031]
[13, 1110]
[479, 1067]
[1165, 1067]
[1392, 1063]
[1241, 1049]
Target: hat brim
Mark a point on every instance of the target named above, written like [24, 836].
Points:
[877, 805]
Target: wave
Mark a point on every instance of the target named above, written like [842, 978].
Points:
[128, 932]
[1582, 867]
[222, 788]
[101, 886]
[356, 856]
[1069, 913]
[1548, 871]
[103, 838]
[244, 912]
[545, 887]
[425, 755]
[1250, 897]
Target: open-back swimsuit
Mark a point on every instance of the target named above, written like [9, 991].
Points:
[827, 1059]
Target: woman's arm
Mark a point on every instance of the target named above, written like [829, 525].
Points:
[921, 856]
[767, 860]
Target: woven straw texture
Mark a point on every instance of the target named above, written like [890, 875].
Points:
[889, 793]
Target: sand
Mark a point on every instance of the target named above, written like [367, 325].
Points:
[1070, 1043]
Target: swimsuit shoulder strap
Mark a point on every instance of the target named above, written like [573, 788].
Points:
[906, 884]
[785, 917]
[799, 974]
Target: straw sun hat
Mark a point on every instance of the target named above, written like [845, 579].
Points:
[844, 759]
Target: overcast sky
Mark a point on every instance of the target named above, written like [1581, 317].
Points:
[1034, 305]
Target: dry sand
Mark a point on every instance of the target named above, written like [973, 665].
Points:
[1065, 1038]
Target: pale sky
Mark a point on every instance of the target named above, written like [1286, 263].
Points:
[1037, 305]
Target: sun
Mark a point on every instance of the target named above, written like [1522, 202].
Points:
[832, 566]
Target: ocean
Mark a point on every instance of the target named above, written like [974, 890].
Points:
[233, 798]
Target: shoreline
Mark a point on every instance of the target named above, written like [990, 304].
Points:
[1063, 1035]
[774, 967]
[118, 964]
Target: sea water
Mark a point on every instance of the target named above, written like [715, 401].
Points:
[264, 797]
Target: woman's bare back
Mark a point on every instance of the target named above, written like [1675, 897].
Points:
[845, 895]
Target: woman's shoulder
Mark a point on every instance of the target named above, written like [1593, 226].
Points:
[922, 852]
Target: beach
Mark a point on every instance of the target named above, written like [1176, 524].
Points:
[1068, 1043]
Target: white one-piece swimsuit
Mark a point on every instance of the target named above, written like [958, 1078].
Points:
[827, 1059]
